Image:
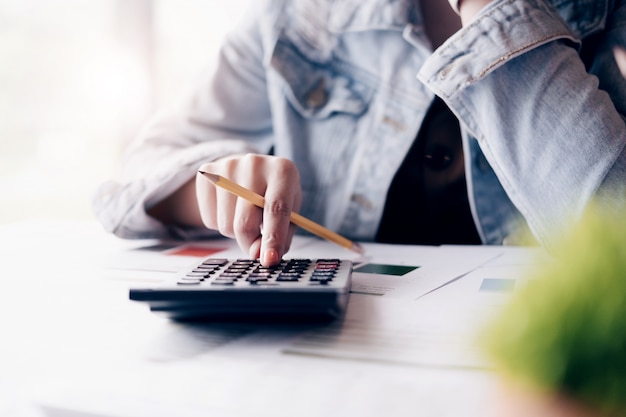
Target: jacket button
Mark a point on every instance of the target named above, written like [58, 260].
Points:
[317, 96]
[361, 200]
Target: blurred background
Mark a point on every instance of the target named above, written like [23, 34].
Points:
[78, 78]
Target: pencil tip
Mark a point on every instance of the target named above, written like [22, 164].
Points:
[357, 248]
[211, 177]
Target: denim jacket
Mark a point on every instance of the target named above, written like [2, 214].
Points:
[341, 87]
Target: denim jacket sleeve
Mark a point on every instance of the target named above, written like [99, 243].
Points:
[199, 127]
[549, 120]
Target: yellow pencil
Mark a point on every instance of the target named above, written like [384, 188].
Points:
[297, 219]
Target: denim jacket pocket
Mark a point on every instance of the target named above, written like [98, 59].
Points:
[318, 90]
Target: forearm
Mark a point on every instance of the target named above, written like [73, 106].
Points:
[179, 208]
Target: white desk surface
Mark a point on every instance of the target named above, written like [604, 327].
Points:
[73, 344]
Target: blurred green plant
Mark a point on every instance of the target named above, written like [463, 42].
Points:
[565, 332]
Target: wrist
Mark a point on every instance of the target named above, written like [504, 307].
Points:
[467, 9]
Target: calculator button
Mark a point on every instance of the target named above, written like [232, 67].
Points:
[284, 278]
[323, 273]
[238, 268]
[320, 278]
[233, 275]
[254, 280]
[215, 261]
[208, 268]
[261, 272]
[184, 281]
[197, 275]
[294, 271]
[260, 275]
[246, 262]
[241, 264]
[223, 282]
[297, 264]
[204, 272]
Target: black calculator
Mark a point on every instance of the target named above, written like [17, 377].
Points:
[243, 289]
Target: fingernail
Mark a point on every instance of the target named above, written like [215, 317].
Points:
[270, 256]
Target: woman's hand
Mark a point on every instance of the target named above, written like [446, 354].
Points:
[262, 233]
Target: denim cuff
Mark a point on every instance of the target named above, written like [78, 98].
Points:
[502, 31]
[121, 207]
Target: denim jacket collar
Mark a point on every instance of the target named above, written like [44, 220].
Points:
[363, 15]
[313, 26]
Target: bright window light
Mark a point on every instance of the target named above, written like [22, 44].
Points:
[79, 78]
